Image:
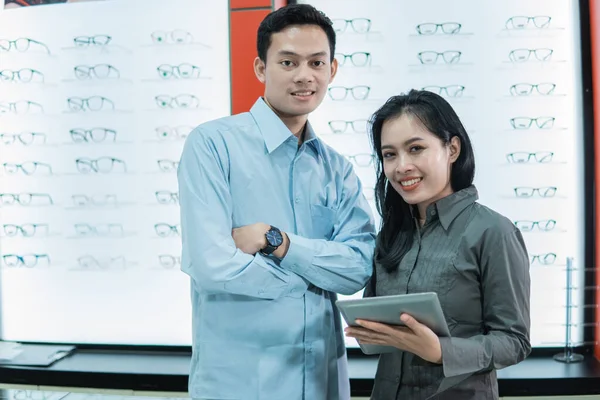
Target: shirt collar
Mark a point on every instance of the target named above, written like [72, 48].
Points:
[311, 138]
[450, 206]
[274, 131]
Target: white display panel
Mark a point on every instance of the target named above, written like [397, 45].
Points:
[122, 294]
[110, 89]
[487, 48]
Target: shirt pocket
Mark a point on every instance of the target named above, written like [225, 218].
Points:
[323, 220]
[446, 279]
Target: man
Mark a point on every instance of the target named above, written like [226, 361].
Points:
[274, 223]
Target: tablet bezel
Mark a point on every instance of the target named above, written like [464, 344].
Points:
[424, 307]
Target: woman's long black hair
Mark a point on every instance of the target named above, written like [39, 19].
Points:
[438, 117]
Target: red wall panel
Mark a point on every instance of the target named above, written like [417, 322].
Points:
[244, 18]
[245, 87]
[233, 4]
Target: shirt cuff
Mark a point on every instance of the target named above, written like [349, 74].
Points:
[300, 253]
[461, 356]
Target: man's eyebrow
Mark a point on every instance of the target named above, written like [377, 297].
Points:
[291, 53]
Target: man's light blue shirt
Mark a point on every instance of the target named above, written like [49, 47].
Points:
[265, 328]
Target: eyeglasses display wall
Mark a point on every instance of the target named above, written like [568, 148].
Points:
[96, 99]
[511, 69]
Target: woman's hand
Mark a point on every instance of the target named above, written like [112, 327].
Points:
[415, 337]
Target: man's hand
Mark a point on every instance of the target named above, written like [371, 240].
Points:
[251, 238]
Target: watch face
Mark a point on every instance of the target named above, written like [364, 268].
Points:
[274, 238]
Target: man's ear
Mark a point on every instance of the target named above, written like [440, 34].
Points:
[334, 68]
[259, 69]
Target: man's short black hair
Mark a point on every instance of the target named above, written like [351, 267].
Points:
[293, 14]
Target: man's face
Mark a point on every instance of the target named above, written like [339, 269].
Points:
[297, 70]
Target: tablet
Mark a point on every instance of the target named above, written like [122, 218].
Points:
[424, 307]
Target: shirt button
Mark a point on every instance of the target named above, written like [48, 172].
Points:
[297, 200]
[397, 379]
[433, 212]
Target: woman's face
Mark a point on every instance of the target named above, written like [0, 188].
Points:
[416, 162]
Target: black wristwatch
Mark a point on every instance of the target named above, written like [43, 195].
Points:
[274, 240]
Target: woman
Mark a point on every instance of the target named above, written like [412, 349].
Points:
[435, 237]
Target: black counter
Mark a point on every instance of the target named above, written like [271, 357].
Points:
[161, 371]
